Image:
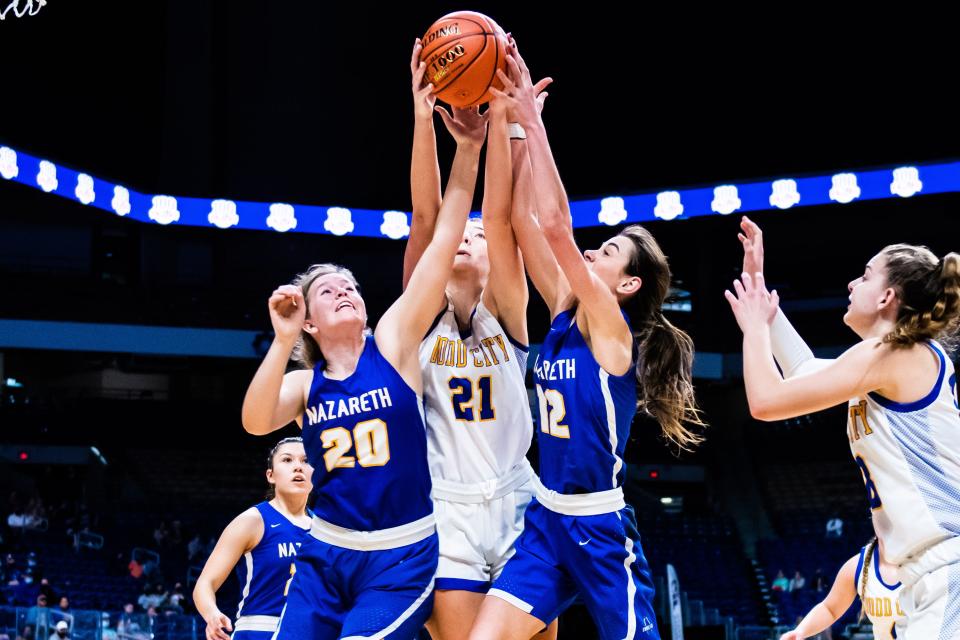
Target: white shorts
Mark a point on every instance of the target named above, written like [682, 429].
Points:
[477, 526]
[930, 597]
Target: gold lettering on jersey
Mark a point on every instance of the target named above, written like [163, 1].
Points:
[881, 607]
[454, 353]
[858, 417]
[488, 343]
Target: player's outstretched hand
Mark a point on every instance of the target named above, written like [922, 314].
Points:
[467, 126]
[752, 241]
[753, 306]
[524, 99]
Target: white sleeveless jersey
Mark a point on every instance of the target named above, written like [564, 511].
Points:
[881, 601]
[909, 455]
[476, 405]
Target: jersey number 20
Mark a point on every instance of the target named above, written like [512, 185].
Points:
[369, 438]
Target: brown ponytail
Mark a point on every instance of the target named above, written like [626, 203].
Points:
[867, 558]
[929, 294]
[665, 353]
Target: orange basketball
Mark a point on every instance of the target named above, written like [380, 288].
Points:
[463, 51]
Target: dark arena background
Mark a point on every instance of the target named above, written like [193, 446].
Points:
[126, 344]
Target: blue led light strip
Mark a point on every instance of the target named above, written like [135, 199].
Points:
[841, 188]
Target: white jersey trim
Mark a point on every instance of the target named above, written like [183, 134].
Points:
[580, 504]
[480, 492]
[248, 557]
[373, 540]
[257, 623]
[922, 403]
[611, 422]
[631, 590]
[526, 607]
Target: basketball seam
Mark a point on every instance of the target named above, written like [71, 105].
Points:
[496, 63]
[464, 70]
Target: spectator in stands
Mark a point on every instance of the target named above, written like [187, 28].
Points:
[155, 599]
[39, 616]
[834, 528]
[108, 633]
[126, 618]
[780, 583]
[62, 630]
[47, 589]
[175, 601]
[26, 633]
[797, 582]
[129, 625]
[194, 548]
[63, 612]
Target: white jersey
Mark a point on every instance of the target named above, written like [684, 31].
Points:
[909, 455]
[476, 405]
[881, 601]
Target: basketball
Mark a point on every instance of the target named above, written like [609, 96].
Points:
[463, 51]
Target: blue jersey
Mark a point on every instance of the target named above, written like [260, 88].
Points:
[367, 443]
[265, 570]
[585, 413]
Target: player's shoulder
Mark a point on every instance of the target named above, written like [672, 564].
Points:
[299, 376]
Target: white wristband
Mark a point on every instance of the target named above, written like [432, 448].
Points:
[516, 131]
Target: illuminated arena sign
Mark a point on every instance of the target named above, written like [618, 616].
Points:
[680, 204]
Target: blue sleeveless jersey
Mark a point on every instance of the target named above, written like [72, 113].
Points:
[367, 443]
[585, 413]
[265, 570]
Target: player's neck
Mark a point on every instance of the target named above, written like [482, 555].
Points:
[291, 506]
[341, 354]
[465, 296]
[878, 329]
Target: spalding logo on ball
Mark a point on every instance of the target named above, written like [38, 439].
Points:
[463, 51]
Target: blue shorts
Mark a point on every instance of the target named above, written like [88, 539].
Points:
[599, 558]
[344, 593]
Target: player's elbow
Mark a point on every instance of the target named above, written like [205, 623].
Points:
[763, 411]
[555, 225]
[253, 423]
